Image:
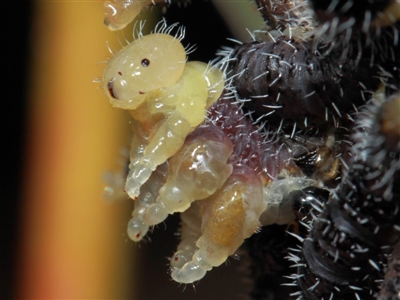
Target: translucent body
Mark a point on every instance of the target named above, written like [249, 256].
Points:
[227, 218]
[137, 228]
[220, 204]
[166, 97]
[279, 208]
[195, 172]
[120, 13]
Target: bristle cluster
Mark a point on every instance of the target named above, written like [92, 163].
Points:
[279, 15]
[346, 251]
[285, 79]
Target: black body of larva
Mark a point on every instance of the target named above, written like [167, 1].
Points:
[303, 201]
[286, 79]
[356, 228]
[283, 13]
[346, 251]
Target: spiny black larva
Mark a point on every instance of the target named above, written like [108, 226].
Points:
[306, 200]
[345, 254]
[286, 13]
[371, 27]
[285, 79]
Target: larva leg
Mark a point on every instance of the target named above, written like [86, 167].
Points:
[137, 228]
[164, 143]
[228, 217]
[138, 143]
[195, 172]
[120, 13]
[190, 232]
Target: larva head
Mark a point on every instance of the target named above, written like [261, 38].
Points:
[149, 63]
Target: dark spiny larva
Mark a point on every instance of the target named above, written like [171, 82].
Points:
[287, 79]
[346, 251]
[317, 74]
[283, 13]
[370, 27]
[304, 200]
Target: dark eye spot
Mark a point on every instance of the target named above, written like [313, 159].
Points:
[145, 62]
[120, 73]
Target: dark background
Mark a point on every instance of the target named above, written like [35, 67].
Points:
[15, 51]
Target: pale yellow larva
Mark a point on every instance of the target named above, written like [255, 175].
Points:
[166, 97]
[120, 13]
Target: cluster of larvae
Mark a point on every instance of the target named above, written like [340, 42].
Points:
[176, 165]
[167, 99]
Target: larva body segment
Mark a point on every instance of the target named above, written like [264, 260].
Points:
[303, 201]
[120, 13]
[349, 241]
[137, 227]
[200, 167]
[279, 203]
[283, 13]
[195, 172]
[190, 233]
[228, 217]
[247, 198]
[287, 79]
[166, 97]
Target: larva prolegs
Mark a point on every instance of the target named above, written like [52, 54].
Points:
[137, 228]
[190, 232]
[228, 217]
[166, 142]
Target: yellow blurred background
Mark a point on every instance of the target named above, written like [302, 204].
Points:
[73, 243]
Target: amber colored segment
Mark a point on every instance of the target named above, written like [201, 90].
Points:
[73, 244]
[226, 224]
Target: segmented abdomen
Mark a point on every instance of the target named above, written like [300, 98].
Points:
[287, 79]
[349, 242]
